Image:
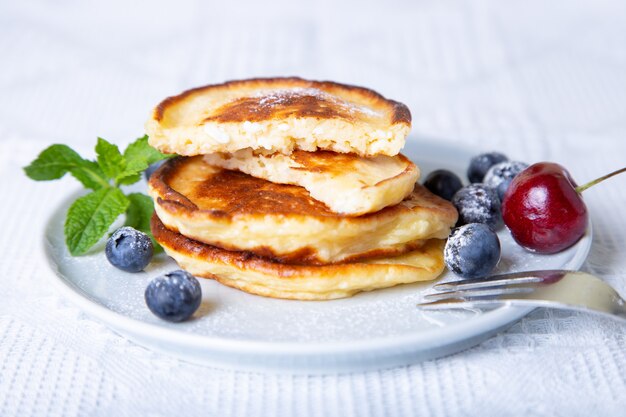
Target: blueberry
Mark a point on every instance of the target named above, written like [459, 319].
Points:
[150, 170]
[477, 203]
[480, 164]
[472, 251]
[498, 175]
[443, 183]
[174, 296]
[129, 250]
[502, 187]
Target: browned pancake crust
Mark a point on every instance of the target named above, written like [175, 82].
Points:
[180, 243]
[290, 103]
[228, 194]
[304, 256]
[242, 259]
[243, 194]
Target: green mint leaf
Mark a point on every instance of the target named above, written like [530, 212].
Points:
[128, 177]
[140, 155]
[90, 175]
[91, 216]
[138, 215]
[110, 159]
[139, 211]
[52, 163]
[57, 160]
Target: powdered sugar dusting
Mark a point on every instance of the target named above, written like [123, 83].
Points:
[503, 171]
[478, 203]
[279, 97]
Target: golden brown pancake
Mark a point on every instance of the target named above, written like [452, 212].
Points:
[257, 275]
[236, 211]
[346, 183]
[279, 115]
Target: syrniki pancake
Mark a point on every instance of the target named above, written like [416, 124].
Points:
[279, 115]
[260, 276]
[236, 211]
[346, 183]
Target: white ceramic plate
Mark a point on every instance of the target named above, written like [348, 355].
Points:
[234, 329]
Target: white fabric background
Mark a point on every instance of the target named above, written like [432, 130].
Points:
[538, 80]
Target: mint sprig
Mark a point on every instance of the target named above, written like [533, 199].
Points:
[110, 159]
[90, 216]
[57, 160]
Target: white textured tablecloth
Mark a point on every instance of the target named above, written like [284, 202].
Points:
[538, 80]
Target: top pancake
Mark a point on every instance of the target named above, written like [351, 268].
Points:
[279, 115]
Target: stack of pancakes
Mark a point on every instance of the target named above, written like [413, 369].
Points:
[291, 188]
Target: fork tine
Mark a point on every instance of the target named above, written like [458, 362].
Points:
[505, 279]
[485, 283]
[469, 295]
[458, 303]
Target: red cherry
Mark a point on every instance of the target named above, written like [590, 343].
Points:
[543, 208]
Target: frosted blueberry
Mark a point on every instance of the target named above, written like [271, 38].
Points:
[500, 175]
[443, 183]
[174, 296]
[472, 251]
[480, 164]
[477, 203]
[129, 249]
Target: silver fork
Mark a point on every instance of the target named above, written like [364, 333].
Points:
[570, 290]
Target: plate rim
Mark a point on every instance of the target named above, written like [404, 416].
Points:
[452, 333]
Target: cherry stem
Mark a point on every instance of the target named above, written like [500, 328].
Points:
[583, 187]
